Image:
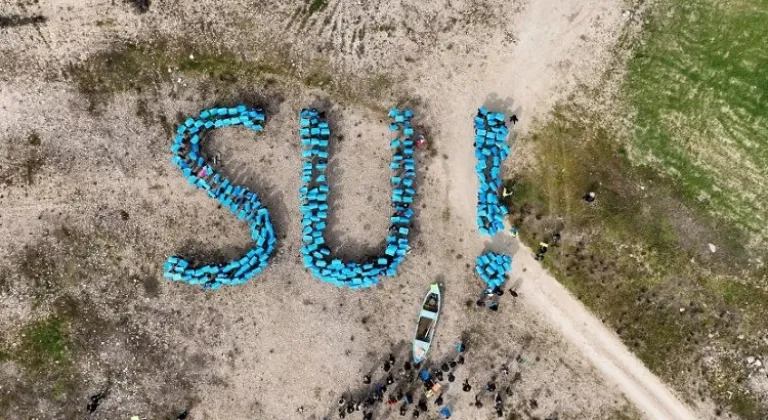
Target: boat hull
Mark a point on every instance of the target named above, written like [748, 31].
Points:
[425, 328]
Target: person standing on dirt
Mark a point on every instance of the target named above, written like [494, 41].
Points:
[543, 247]
[513, 119]
[466, 387]
[490, 387]
[379, 393]
[423, 405]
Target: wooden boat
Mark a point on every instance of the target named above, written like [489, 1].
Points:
[425, 329]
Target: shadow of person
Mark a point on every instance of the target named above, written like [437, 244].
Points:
[495, 103]
[502, 243]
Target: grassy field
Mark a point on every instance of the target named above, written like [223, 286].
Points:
[699, 87]
[682, 164]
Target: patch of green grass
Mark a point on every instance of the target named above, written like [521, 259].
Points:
[317, 6]
[47, 354]
[80, 322]
[138, 67]
[635, 256]
[749, 300]
[127, 67]
[698, 90]
[729, 383]
[144, 67]
[44, 345]
[226, 66]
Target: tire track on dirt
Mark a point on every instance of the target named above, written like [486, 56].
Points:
[596, 342]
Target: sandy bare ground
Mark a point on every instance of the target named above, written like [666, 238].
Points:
[285, 341]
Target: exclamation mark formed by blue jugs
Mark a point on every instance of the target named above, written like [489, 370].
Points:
[491, 150]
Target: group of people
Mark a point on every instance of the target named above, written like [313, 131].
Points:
[313, 194]
[407, 389]
[240, 201]
[411, 390]
[490, 150]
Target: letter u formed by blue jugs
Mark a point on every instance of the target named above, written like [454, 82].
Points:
[313, 196]
[493, 268]
[490, 150]
[240, 201]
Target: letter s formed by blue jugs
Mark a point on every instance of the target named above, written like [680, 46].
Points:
[314, 134]
[239, 200]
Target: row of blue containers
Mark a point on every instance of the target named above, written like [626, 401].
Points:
[493, 268]
[313, 195]
[490, 150]
[239, 200]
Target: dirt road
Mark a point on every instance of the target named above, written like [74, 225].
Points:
[596, 342]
